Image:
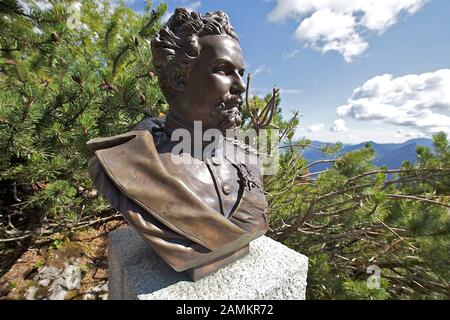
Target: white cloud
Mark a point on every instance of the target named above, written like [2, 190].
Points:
[354, 136]
[315, 127]
[418, 101]
[326, 30]
[339, 25]
[291, 91]
[409, 134]
[262, 69]
[290, 54]
[339, 125]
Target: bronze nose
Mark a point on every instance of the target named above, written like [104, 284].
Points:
[238, 86]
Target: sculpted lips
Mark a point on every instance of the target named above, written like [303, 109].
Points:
[234, 103]
[227, 111]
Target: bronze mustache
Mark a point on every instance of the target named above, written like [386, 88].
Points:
[228, 103]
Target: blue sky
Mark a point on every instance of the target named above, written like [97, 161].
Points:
[318, 54]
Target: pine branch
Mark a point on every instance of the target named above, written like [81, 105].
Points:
[407, 197]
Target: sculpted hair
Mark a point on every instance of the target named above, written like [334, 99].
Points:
[177, 41]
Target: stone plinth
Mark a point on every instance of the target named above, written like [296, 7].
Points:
[270, 271]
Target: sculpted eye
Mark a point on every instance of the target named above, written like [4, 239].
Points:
[220, 69]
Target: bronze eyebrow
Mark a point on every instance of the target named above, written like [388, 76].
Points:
[227, 62]
[221, 60]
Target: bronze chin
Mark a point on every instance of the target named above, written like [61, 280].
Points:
[202, 215]
[228, 113]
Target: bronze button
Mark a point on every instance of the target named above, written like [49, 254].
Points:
[226, 189]
[215, 160]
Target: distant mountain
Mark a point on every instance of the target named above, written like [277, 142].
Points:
[389, 154]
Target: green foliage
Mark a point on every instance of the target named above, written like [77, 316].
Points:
[355, 215]
[56, 244]
[357, 289]
[39, 264]
[67, 74]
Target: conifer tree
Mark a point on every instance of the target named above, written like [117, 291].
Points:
[369, 232]
[69, 71]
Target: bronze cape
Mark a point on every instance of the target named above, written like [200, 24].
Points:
[189, 213]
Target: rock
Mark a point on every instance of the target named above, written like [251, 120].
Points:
[44, 282]
[270, 271]
[47, 273]
[57, 293]
[31, 293]
[88, 296]
[100, 288]
[71, 277]
[58, 281]
[98, 292]
[90, 193]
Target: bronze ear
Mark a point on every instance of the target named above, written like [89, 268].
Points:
[176, 77]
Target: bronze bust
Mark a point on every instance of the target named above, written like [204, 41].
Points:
[201, 214]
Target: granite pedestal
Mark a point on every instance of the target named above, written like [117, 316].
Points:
[270, 271]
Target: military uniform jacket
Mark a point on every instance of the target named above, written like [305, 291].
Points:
[190, 213]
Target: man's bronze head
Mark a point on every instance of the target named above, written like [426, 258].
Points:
[200, 66]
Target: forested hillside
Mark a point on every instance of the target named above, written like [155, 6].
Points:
[390, 155]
